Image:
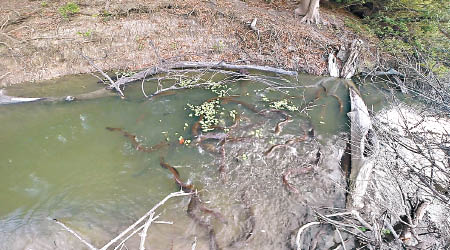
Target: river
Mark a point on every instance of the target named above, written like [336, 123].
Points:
[58, 160]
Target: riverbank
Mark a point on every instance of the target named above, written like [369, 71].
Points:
[38, 42]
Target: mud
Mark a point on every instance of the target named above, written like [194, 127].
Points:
[37, 42]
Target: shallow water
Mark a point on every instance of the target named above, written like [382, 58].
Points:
[57, 160]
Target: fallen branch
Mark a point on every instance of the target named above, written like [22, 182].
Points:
[304, 227]
[342, 240]
[5, 99]
[300, 231]
[176, 194]
[74, 233]
[143, 234]
[144, 228]
[196, 65]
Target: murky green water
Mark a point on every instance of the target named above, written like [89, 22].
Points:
[57, 160]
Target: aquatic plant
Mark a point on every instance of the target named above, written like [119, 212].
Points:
[209, 110]
[283, 104]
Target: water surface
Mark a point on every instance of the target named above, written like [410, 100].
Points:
[57, 160]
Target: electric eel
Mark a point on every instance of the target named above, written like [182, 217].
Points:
[296, 171]
[176, 176]
[136, 144]
[341, 104]
[248, 106]
[249, 227]
[196, 126]
[195, 205]
[288, 142]
[281, 124]
[320, 91]
[231, 98]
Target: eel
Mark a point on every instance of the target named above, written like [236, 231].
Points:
[288, 142]
[248, 106]
[281, 124]
[176, 176]
[296, 171]
[341, 104]
[136, 144]
[250, 225]
[196, 127]
[195, 204]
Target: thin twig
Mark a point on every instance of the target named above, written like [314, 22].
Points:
[300, 231]
[176, 194]
[113, 84]
[342, 240]
[145, 229]
[74, 233]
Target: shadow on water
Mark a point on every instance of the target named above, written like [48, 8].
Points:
[263, 177]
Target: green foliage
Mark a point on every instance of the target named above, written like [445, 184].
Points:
[358, 27]
[219, 47]
[85, 34]
[69, 9]
[386, 232]
[44, 4]
[209, 110]
[408, 26]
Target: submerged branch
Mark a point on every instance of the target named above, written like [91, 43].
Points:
[150, 218]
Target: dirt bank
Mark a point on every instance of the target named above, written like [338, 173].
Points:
[37, 42]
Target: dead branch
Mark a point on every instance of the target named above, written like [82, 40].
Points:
[150, 218]
[151, 211]
[196, 65]
[326, 220]
[143, 234]
[74, 233]
[5, 99]
[113, 84]
[350, 66]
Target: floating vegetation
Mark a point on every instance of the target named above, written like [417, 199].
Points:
[187, 82]
[209, 111]
[283, 105]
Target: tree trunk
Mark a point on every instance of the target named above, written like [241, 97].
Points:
[310, 10]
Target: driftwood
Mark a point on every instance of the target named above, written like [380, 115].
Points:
[363, 146]
[351, 61]
[5, 99]
[350, 66]
[197, 65]
[127, 233]
[332, 65]
[142, 75]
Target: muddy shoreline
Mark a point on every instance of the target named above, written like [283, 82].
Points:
[38, 43]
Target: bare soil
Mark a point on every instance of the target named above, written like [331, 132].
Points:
[37, 42]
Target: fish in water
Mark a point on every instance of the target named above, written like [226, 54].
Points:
[176, 176]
